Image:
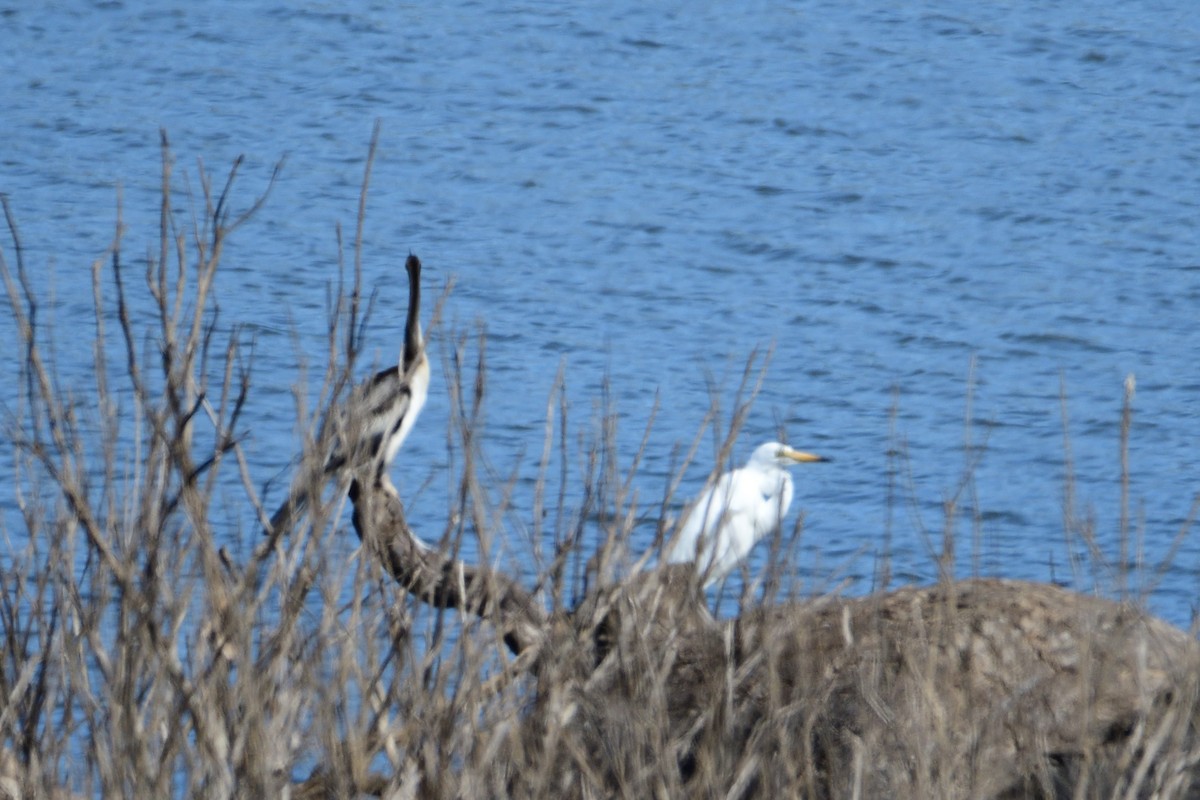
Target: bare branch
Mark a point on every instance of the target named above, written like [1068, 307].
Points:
[441, 581]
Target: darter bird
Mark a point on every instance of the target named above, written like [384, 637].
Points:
[379, 414]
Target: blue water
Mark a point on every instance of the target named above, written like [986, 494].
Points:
[924, 209]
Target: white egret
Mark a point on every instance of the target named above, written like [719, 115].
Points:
[380, 412]
[742, 507]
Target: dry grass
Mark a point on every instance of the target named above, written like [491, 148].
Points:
[141, 659]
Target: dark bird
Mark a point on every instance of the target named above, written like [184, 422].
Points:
[379, 414]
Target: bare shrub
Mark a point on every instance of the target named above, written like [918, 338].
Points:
[141, 658]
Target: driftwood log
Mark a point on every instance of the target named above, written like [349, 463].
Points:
[979, 688]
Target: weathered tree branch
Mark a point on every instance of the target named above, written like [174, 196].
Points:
[441, 581]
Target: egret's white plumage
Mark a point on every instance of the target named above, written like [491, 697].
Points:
[743, 506]
[379, 413]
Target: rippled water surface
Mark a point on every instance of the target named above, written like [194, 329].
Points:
[940, 209]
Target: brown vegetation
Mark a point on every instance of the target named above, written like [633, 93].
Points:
[981, 688]
[140, 657]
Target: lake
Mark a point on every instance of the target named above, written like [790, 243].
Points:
[942, 218]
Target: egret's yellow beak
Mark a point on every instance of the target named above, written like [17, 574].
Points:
[800, 456]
